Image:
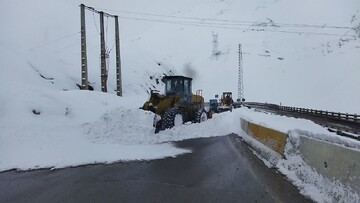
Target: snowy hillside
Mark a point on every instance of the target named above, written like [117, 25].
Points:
[298, 53]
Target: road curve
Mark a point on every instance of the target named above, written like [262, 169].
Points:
[220, 169]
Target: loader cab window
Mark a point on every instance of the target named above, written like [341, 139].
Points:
[187, 87]
[174, 87]
[178, 86]
[168, 87]
[187, 91]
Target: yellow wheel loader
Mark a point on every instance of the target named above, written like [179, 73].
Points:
[178, 105]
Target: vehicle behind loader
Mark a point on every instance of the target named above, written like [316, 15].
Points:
[226, 102]
[178, 105]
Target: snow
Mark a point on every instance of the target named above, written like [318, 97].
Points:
[55, 138]
[316, 71]
[111, 128]
[46, 122]
[310, 183]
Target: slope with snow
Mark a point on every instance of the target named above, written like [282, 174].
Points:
[297, 53]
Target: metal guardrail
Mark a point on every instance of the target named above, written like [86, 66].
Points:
[343, 124]
[327, 114]
[313, 112]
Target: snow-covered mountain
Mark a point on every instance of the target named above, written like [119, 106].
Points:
[297, 53]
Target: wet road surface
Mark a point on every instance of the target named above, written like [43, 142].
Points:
[220, 169]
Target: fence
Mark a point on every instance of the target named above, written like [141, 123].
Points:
[313, 112]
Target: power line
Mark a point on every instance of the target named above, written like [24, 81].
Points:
[234, 21]
[106, 31]
[73, 44]
[201, 24]
[98, 11]
[95, 23]
[210, 24]
[55, 40]
[112, 47]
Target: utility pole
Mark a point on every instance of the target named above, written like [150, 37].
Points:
[118, 60]
[102, 54]
[84, 71]
[240, 77]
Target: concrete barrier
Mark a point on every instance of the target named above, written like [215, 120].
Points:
[273, 139]
[332, 161]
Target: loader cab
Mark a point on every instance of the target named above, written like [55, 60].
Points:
[178, 86]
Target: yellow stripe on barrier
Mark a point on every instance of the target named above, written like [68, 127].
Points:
[274, 139]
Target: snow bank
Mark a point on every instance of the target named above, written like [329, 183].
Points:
[53, 136]
[134, 126]
[308, 180]
[45, 129]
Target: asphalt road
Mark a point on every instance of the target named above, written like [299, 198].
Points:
[220, 169]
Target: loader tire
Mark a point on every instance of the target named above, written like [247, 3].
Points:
[200, 116]
[173, 117]
[158, 127]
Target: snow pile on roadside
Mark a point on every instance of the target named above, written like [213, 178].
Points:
[330, 137]
[122, 125]
[304, 177]
[311, 183]
[53, 136]
[134, 126]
